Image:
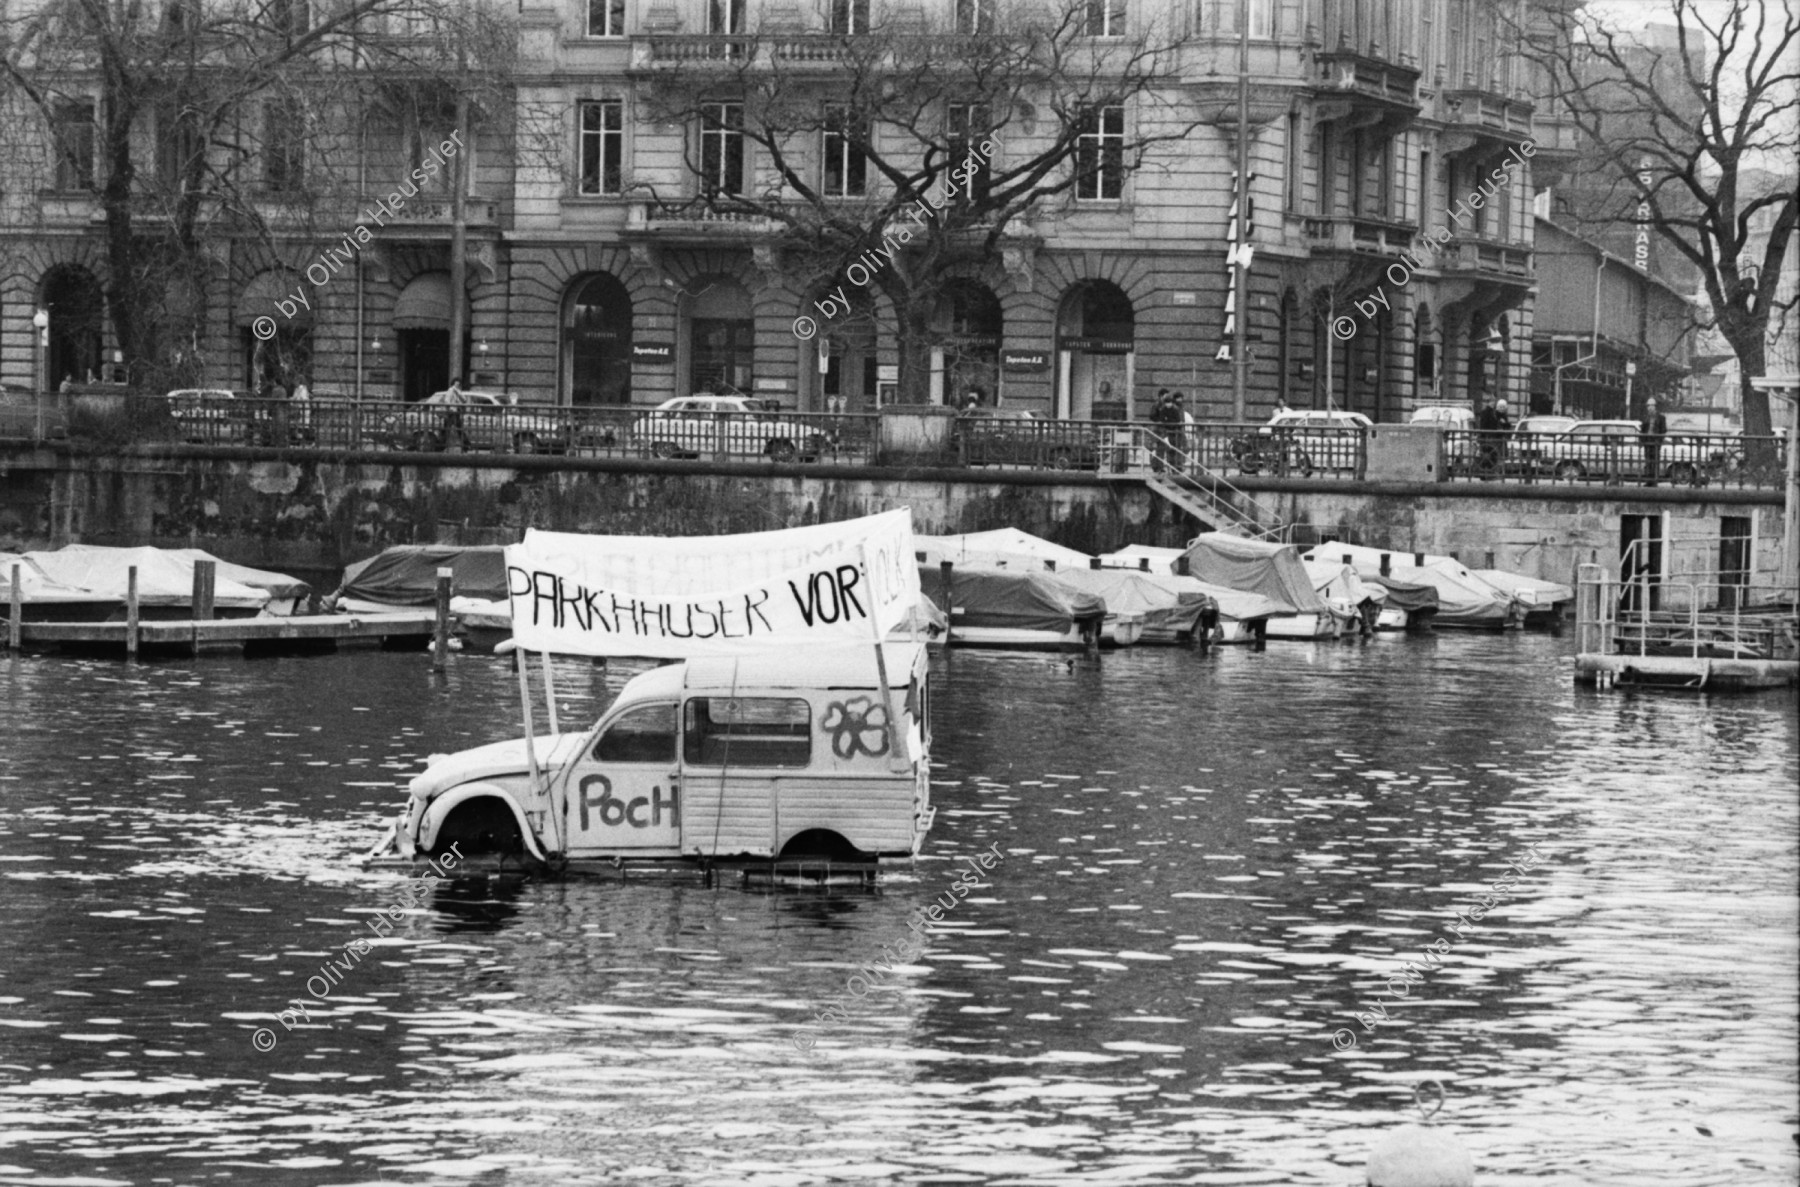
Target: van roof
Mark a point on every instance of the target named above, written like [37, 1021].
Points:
[833, 666]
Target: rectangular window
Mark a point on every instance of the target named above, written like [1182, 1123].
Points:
[283, 146]
[1296, 162]
[73, 134]
[603, 147]
[1424, 216]
[1100, 154]
[849, 17]
[178, 143]
[846, 165]
[725, 16]
[1219, 18]
[966, 128]
[747, 732]
[1106, 18]
[606, 18]
[974, 17]
[426, 148]
[722, 148]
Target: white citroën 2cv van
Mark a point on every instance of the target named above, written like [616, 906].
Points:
[769, 760]
[789, 729]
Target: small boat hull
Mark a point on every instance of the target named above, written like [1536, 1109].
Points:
[1306, 627]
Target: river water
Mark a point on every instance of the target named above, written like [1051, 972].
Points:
[1210, 864]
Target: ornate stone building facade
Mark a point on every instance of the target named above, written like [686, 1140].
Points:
[1394, 152]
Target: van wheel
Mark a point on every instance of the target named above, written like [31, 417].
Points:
[525, 443]
[780, 450]
[480, 826]
[1570, 471]
[821, 844]
[1684, 474]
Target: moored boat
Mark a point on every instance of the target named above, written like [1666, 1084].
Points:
[1166, 616]
[406, 575]
[1019, 610]
[1272, 570]
[42, 598]
[165, 580]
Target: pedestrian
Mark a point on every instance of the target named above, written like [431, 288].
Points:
[1167, 418]
[1493, 424]
[68, 383]
[1179, 422]
[1651, 431]
[972, 398]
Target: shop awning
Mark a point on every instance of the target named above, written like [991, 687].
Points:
[424, 303]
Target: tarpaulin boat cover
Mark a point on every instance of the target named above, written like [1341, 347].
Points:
[165, 578]
[38, 588]
[683, 597]
[1533, 591]
[1016, 601]
[1002, 548]
[1255, 566]
[1129, 593]
[1409, 596]
[1462, 600]
[1339, 584]
[406, 575]
[281, 587]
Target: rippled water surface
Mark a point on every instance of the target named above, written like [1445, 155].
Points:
[1211, 863]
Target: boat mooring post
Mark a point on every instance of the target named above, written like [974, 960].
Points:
[17, 615]
[441, 637]
[1587, 610]
[131, 613]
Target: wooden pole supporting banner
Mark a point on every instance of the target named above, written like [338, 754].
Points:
[549, 692]
[441, 638]
[131, 612]
[16, 618]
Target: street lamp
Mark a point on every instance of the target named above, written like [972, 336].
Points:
[41, 319]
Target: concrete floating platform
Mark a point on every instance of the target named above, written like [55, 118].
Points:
[1686, 672]
[313, 632]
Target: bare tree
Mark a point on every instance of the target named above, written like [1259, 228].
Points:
[1683, 130]
[942, 141]
[224, 120]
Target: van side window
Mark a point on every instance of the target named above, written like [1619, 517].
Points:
[748, 732]
[645, 734]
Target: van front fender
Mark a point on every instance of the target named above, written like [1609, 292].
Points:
[440, 808]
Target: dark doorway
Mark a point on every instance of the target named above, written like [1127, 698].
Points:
[73, 299]
[724, 352]
[425, 362]
[597, 333]
[1640, 562]
[1734, 561]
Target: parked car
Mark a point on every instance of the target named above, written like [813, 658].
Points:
[211, 415]
[1301, 442]
[1444, 416]
[1525, 450]
[690, 426]
[476, 419]
[1613, 451]
[1011, 437]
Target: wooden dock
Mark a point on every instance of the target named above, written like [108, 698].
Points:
[396, 630]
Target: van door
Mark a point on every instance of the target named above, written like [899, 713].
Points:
[624, 794]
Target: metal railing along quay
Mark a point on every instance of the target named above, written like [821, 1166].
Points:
[990, 439]
[1615, 458]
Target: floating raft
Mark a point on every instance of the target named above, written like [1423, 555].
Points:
[396, 630]
[1685, 671]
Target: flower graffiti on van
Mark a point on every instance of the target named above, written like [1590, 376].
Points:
[857, 726]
